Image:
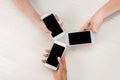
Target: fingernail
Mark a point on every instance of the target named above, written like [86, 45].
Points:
[58, 58]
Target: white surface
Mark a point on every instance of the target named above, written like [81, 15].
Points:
[22, 43]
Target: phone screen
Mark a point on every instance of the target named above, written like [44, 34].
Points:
[52, 24]
[56, 51]
[79, 38]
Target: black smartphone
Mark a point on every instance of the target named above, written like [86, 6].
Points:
[76, 38]
[52, 25]
[57, 50]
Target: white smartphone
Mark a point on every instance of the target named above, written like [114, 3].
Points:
[52, 25]
[76, 38]
[57, 50]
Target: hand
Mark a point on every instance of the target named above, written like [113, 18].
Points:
[94, 23]
[61, 73]
[45, 29]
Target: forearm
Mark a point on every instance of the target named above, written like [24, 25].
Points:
[109, 8]
[27, 9]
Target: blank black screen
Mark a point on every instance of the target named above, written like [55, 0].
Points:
[79, 37]
[56, 51]
[52, 25]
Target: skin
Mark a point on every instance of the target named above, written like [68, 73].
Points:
[26, 7]
[28, 10]
[61, 72]
[92, 24]
[97, 19]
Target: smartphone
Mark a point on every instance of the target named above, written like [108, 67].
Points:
[57, 50]
[76, 38]
[51, 23]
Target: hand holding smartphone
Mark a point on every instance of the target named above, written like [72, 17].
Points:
[57, 50]
[52, 24]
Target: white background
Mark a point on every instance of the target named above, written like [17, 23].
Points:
[22, 43]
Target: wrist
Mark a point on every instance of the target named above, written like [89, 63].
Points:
[64, 77]
[100, 14]
[61, 78]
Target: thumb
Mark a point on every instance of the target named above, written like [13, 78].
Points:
[93, 28]
[59, 60]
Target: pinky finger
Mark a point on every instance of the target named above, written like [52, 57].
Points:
[93, 29]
